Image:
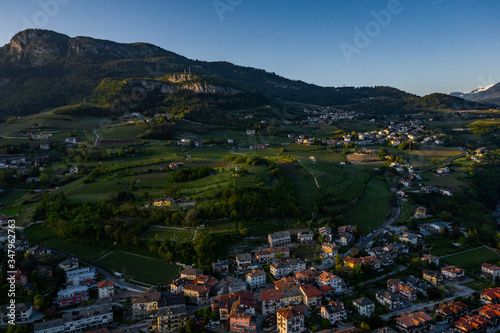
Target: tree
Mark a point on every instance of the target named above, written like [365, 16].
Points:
[190, 326]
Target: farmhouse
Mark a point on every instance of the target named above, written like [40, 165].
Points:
[490, 271]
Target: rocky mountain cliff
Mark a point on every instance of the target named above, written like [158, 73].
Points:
[488, 95]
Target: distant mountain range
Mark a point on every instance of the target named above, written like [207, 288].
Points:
[487, 95]
[41, 69]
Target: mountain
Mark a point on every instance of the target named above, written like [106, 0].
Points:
[487, 95]
[41, 69]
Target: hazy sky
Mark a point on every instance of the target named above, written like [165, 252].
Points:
[420, 46]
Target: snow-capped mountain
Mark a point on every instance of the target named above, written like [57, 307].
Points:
[489, 94]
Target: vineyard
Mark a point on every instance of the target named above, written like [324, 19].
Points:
[173, 234]
[372, 208]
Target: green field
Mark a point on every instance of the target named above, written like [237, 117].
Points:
[84, 252]
[473, 258]
[372, 208]
[38, 232]
[133, 266]
[128, 131]
[173, 234]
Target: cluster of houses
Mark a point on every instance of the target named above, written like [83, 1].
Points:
[173, 202]
[327, 115]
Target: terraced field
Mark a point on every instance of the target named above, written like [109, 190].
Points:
[87, 253]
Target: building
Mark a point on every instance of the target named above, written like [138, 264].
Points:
[335, 312]
[280, 238]
[451, 311]
[327, 233]
[272, 300]
[491, 312]
[221, 266]
[330, 279]
[85, 276]
[169, 320]
[441, 226]
[409, 238]
[490, 271]
[243, 261]
[241, 322]
[72, 296]
[475, 323]
[199, 293]
[106, 288]
[272, 252]
[78, 320]
[365, 306]
[148, 301]
[312, 296]
[389, 299]
[69, 264]
[229, 284]
[177, 286]
[256, 279]
[292, 297]
[305, 237]
[345, 238]
[290, 320]
[420, 212]
[23, 312]
[414, 322]
[329, 249]
[281, 269]
[427, 258]
[452, 273]
[433, 277]
[408, 292]
[490, 296]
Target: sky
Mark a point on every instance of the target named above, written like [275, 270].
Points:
[419, 46]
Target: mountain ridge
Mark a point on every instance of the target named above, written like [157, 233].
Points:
[42, 69]
[489, 94]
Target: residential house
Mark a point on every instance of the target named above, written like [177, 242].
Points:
[256, 279]
[241, 322]
[191, 273]
[280, 238]
[290, 320]
[281, 269]
[221, 266]
[414, 322]
[440, 226]
[72, 295]
[474, 323]
[306, 276]
[451, 311]
[406, 182]
[409, 238]
[44, 270]
[443, 170]
[312, 296]
[21, 277]
[419, 285]
[346, 228]
[272, 300]
[389, 299]
[490, 271]
[305, 237]
[452, 273]
[22, 312]
[272, 252]
[292, 297]
[69, 264]
[365, 306]
[408, 292]
[148, 301]
[490, 296]
[169, 320]
[345, 238]
[428, 258]
[229, 284]
[433, 277]
[177, 286]
[327, 233]
[78, 320]
[243, 261]
[335, 312]
[176, 165]
[329, 249]
[106, 288]
[420, 212]
[85, 276]
[491, 312]
[330, 279]
[199, 293]
[392, 285]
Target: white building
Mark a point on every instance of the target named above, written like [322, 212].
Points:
[106, 288]
[256, 279]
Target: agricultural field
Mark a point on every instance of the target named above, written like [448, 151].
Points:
[451, 180]
[424, 155]
[371, 159]
[407, 210]
[472, 259]
[38, 232]
[170, 233]
[128, 131]
[84, 252]
[372, 208]
[137, 267]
